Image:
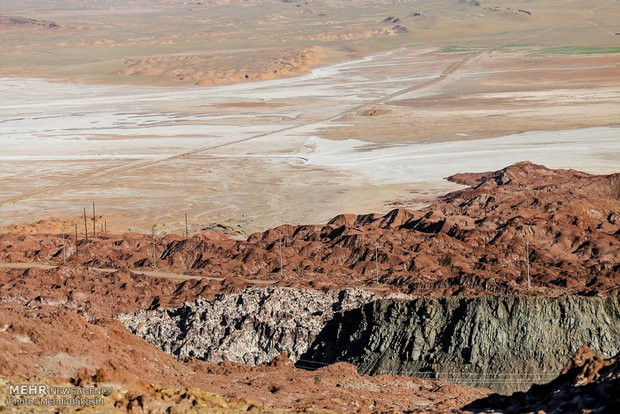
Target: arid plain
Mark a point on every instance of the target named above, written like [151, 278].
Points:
[253, 114]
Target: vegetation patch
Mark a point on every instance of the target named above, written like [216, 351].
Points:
[577, 50]
[459, 50]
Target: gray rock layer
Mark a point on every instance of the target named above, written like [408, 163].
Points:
[504, 343]
[251, 327]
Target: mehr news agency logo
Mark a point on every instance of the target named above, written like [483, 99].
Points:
[46, 395]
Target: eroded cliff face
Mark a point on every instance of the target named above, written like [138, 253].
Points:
[251, 327]
[588, 383]
[504, 343]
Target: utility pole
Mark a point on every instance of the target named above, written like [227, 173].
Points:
[280, 240]
[377, 260]
[186, 228]
[76, 239]
[64, 251]
[94, 221]
[527, 255]
[154, 252]
[85, 228]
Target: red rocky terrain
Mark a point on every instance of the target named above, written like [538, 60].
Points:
[60, 320]
[469, 242]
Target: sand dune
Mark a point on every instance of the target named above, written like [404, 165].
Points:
[201, 70]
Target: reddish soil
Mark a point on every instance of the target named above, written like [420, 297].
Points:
[468, 242]
[59, 344]
[96, 294]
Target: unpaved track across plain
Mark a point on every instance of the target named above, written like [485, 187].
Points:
[135, 165]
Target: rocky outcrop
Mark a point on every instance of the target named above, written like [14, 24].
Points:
[49, 345]
[24, 22]
[251, 327]
[504, 343]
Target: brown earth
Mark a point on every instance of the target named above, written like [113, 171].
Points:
[100, 36]
[202, 69]
[499, 93]
[59, 346]
[57, 319]
[469, 242]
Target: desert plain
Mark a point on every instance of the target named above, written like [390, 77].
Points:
[387, 100]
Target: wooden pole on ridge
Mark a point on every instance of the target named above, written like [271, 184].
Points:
[76, 239]
[85, 227]
[186, 227]
[527, 255]
[94, 221]
[377, 260]
[64, 251]
[154, 253]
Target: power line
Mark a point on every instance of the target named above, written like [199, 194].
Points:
[280, 240]
[377, 260]
[186, 227]
[154, 253]
[457, 375]
[527, 255]
[64, 251]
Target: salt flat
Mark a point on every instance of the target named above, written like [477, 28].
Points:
[595, 150]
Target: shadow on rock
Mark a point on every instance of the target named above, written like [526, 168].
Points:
[587, 384]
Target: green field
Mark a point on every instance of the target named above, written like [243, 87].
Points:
[577, 50]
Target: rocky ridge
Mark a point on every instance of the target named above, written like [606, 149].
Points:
[470, 242]
[502, 342]
[201, 70]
